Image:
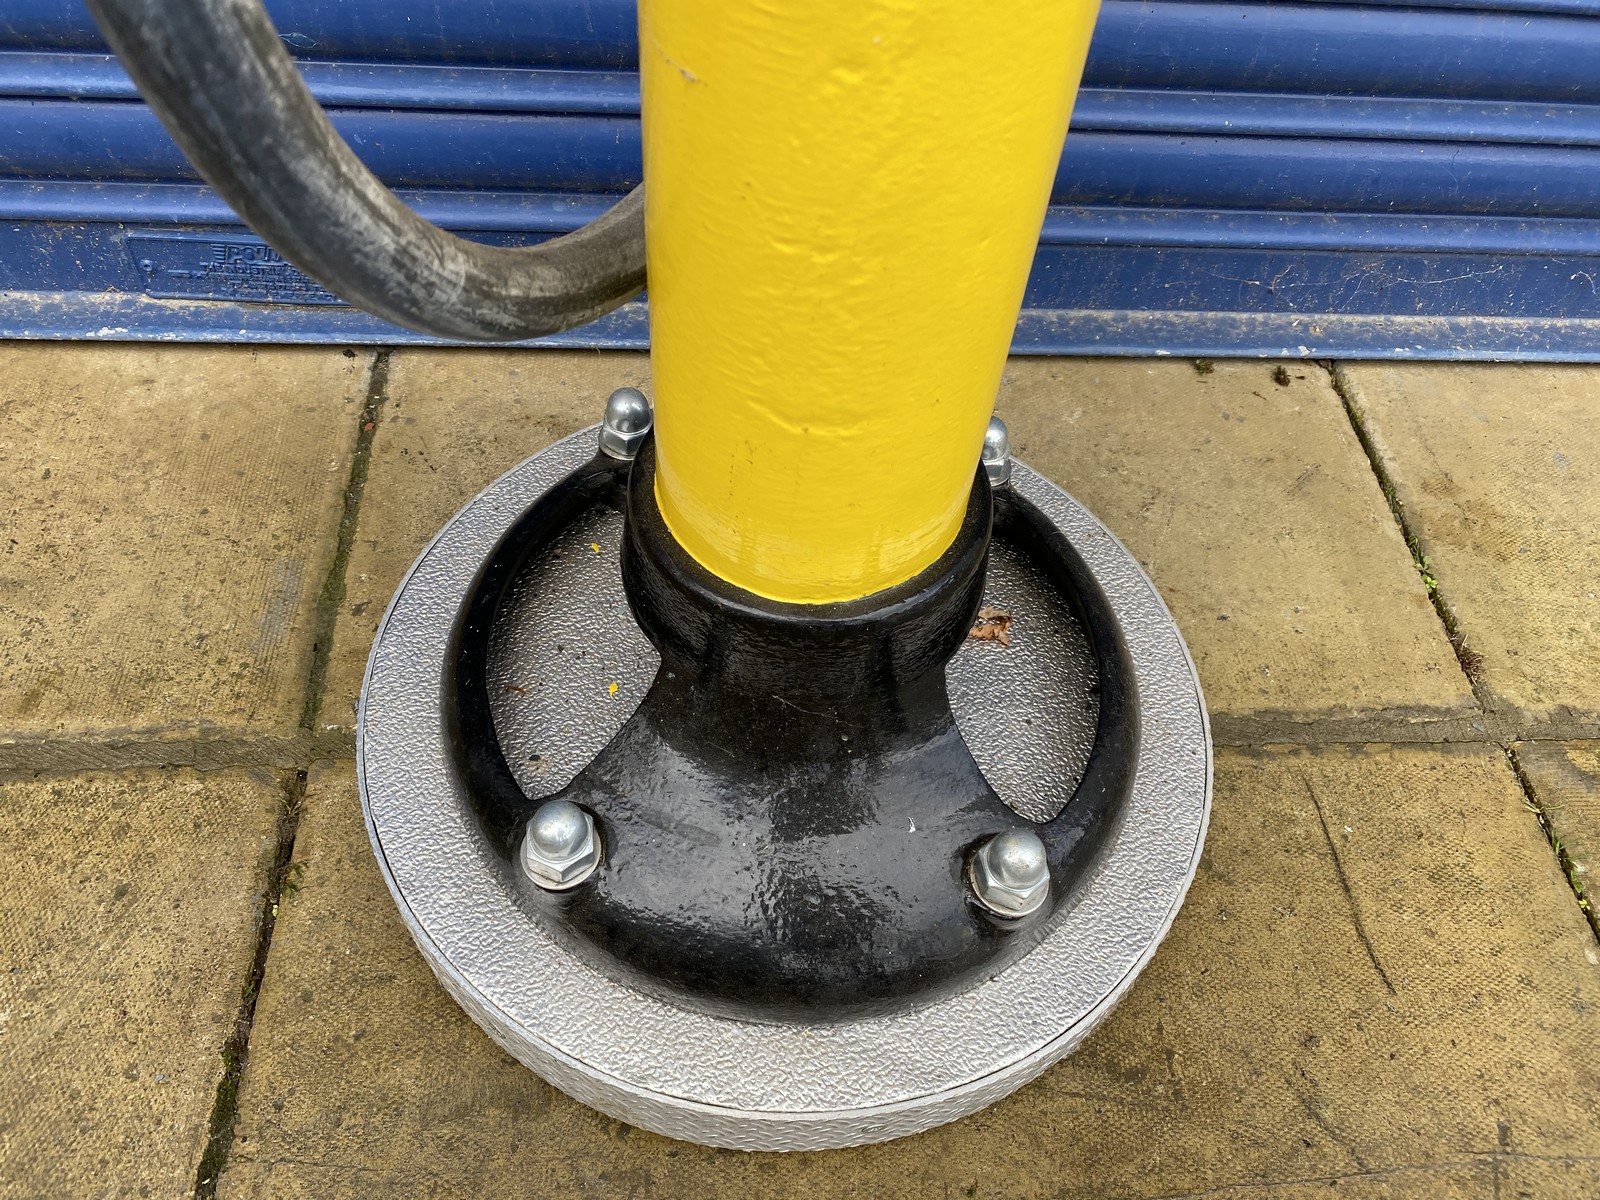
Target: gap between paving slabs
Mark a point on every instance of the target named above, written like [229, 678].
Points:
[1471, 664]
[1504, 730]
[282, 880]
[1572, 869]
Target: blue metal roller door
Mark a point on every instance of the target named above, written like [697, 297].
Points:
[1242, 178]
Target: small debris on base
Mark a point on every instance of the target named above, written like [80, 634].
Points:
[992, 625]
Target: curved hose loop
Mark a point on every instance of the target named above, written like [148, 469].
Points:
[217, 75]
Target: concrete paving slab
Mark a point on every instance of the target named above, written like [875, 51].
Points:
[1497, 468]
[128, 929]
[1380, 982]
[1525, 1178]
[453, 422]
[1243, 490]
[1565, 777]
[173, 514]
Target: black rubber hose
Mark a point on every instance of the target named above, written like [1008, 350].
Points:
[219, 78]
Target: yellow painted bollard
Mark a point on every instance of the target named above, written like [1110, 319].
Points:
[843, 200]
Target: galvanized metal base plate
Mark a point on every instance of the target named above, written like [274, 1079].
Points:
[569, 666]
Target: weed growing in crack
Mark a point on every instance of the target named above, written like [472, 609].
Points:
[1422, 562]
[289, 881]
[1570, 869]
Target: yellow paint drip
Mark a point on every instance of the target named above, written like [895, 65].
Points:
[843, 199]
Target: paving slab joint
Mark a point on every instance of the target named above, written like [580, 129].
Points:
[73, 754]
[333, 586]
[1568, 868]
[1471, 664]
[1394, 726]
[280, 882]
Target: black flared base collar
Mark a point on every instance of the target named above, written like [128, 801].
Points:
[789, 816]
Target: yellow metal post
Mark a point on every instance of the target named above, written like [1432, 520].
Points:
[842, 203]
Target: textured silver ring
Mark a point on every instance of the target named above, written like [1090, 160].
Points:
[570, 666]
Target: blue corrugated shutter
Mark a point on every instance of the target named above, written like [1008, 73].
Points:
[1242, 178]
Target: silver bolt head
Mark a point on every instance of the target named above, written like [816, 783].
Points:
[561, 847]
[1011, 874]
[627, 423]
[997, 452]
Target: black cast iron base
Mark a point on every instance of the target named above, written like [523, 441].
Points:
[789, 816]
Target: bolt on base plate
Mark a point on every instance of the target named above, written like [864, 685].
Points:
[570, 666]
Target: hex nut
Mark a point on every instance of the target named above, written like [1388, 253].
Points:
[1010, 874]
[561, 847]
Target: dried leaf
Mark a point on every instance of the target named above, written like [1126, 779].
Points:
[992, 625]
